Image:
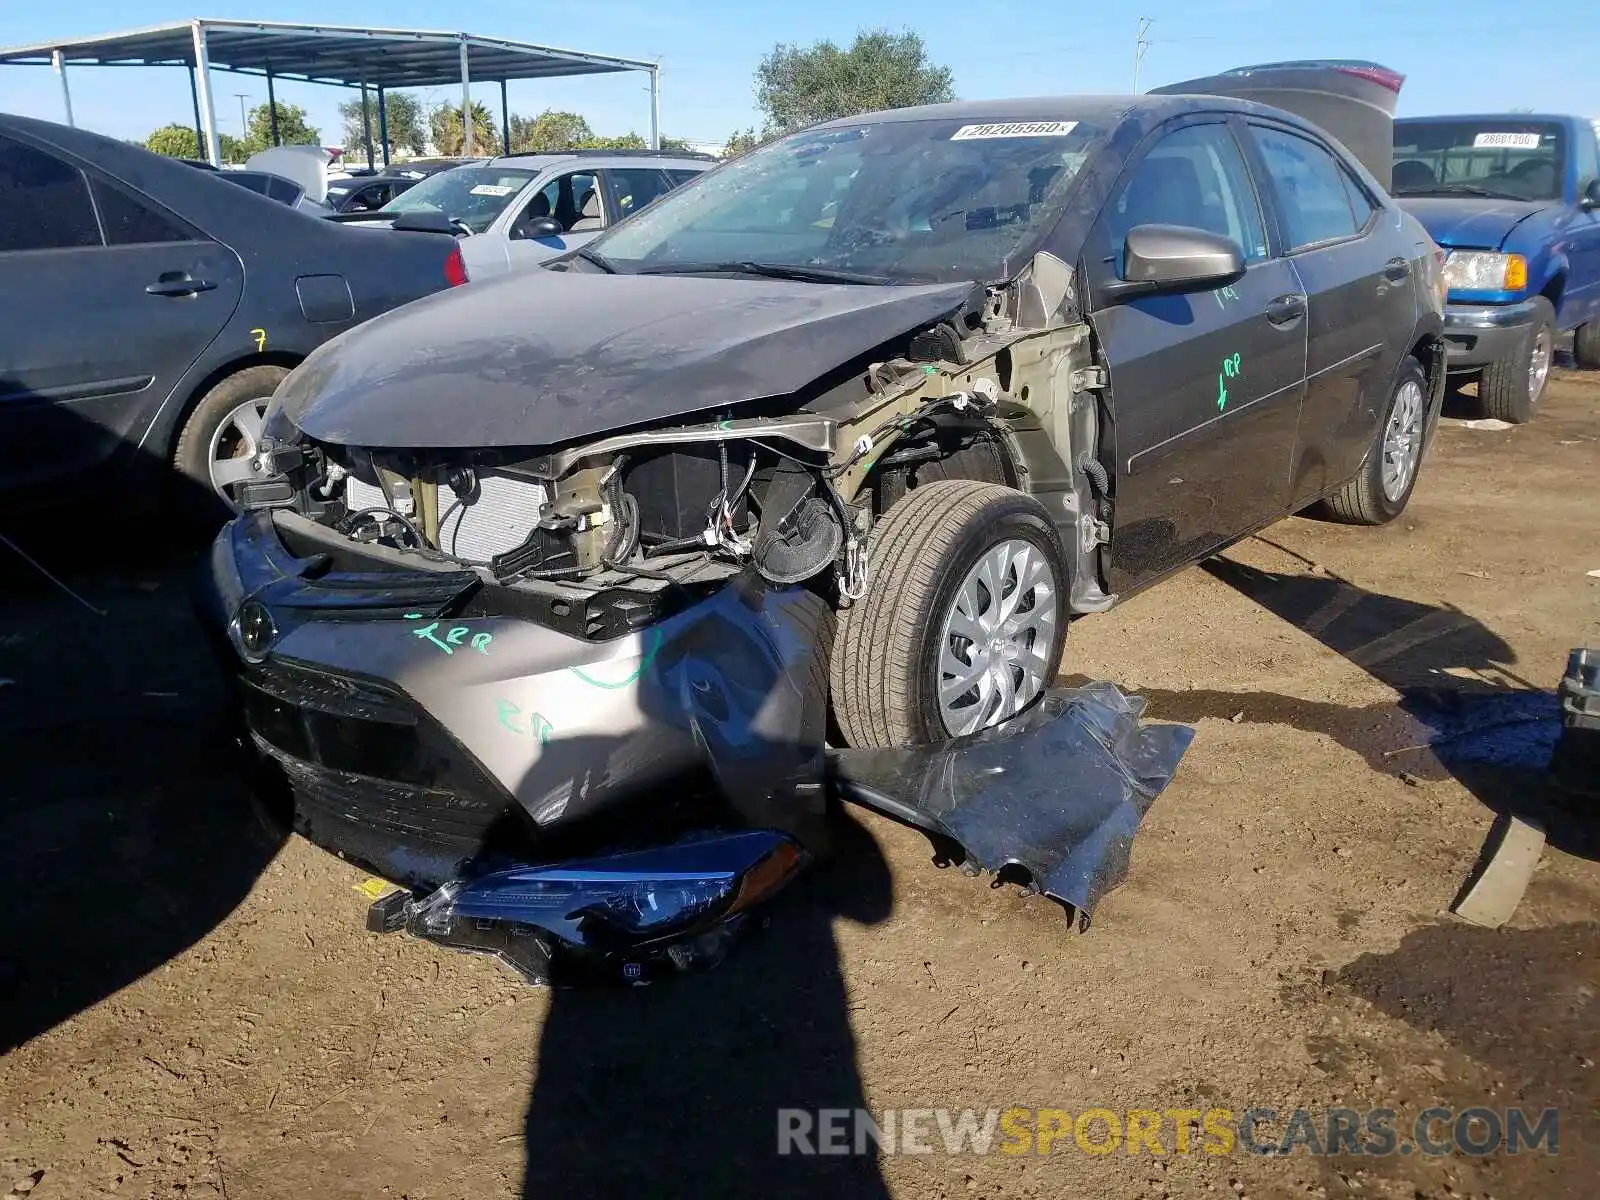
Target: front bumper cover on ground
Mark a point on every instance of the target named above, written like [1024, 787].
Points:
[536, 842]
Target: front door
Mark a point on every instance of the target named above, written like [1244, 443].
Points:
[107, 303]
[1353, 261]
[1205, 385]
[575, 201]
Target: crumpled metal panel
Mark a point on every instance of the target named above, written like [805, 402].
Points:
[1058, 792]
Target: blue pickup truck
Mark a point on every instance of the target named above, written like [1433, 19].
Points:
[1514, 199]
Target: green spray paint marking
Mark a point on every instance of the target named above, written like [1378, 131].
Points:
[633, 675]
[452, 640]
[537, 726]
[1230, 370]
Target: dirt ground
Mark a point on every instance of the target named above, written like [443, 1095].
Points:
[192, 1008]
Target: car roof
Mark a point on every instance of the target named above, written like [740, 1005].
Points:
[1514, 118]
[540, 161]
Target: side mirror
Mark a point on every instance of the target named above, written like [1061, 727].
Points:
[1591, 194]
[1173, 258]
[425, 221]
[540, 227]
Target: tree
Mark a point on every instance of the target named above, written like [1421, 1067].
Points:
[799, 86]
[550, 130]
[741, 142]
[401, 112]
[628, 141]
[450, 138]
[292, 129]
[180, 141]
[675, 146]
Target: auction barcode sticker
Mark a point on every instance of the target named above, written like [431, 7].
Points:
[1015, 129]
[492, 189]
[1506, 141]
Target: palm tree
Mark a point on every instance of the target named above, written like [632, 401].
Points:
[444, 123]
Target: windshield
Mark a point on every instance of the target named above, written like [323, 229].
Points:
[903, 201]
[475, 196]
[1504, 158]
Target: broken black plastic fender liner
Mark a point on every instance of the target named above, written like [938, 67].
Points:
[1058, 791]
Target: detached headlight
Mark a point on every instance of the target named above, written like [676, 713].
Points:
[666, 903]
[1482, 271]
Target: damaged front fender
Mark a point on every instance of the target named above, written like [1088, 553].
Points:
[1056, 793]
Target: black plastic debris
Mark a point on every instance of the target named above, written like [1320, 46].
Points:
[1575, 765]
[1057, 793]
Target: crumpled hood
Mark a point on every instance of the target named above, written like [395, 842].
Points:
[1471, 221]
[545, 357]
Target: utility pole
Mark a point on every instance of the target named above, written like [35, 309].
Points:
[244, 123]
[1141, 43]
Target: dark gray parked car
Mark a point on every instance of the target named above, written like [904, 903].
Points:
[942, 378]
[151, 309]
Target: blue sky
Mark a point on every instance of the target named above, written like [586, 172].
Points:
[1458, 55]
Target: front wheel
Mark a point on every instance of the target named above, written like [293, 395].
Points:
[1380, 491]
[1511, 387]
[963, 623]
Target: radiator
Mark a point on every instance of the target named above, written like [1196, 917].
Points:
[499, 518]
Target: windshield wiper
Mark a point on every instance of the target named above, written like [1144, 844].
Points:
[1465, 189]
[598, 259]
[767, 270]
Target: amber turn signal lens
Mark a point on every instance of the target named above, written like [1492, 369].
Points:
[1516, 272]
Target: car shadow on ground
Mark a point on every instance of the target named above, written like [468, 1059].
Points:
[127, 831]
[676, 1089]
[1465, 708]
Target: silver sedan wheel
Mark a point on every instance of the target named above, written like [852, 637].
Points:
[995, 643]
[1402, 440]
[233, 448]
[1539, 363]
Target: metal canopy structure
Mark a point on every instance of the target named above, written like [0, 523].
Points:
[336, 55]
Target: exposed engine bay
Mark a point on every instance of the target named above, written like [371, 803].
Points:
[793, 494]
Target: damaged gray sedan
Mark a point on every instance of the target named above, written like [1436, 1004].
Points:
[825, 449]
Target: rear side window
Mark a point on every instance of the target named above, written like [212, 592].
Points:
[130, 223]
[44, 202]
[1313, 190]
[681, 177]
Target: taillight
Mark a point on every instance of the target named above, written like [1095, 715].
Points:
[455, 268]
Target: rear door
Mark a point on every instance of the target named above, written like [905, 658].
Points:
[1205, 384]
[1352, 262]
[108, 300]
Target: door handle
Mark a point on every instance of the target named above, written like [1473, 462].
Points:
[1396, 270]
[173, 283]
[1286, 310]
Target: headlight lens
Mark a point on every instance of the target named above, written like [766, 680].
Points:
[1482, 271]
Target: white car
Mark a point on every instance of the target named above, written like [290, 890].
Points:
[521, 209]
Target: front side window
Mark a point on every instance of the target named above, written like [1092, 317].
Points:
[635, 187]
[473, 195]
[1195, 176]
[44, 202]
[1313, 190]
[907, 201]
[1504, 159]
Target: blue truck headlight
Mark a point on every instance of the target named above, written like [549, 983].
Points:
[1484, 271]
